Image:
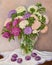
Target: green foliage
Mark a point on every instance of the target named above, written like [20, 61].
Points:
[13, 16]
[31, 20]
[38, 4]
[33, 35]
[41, 9]
[12, 37]
[5, 30]
[41, 27]
[27, 44]
[21, 14]
[32, 10]
[27, 47]
[43, 19]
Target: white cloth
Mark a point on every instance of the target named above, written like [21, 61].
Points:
[7, 57]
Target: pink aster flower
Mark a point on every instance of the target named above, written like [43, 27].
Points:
[15, 31]
[15, 22]
[8, 25]
[6, 35]
[28, 30]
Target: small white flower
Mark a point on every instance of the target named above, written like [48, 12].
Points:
[47, 20]
[32, 6]
[7, 20]
[36, 18]
[35, 31]
[23, 24]
[20, 9]
[19, 17]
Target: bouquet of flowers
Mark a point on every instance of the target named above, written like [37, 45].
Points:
[26, 24]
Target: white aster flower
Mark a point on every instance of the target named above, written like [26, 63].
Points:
[20, 9]
[32, 6]
[35, 31]
[36, 18]
[7, 20]
[23, 24]
[19, 17]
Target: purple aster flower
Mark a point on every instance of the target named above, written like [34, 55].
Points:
[15, 22]
[15, 31]
[11, 12]
[27, 15]
[6, 35]
[28, 30]
[8, 25]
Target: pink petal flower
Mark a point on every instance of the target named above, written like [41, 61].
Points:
[16, 31]
[6, 35]
[8, 25]
[15, 22]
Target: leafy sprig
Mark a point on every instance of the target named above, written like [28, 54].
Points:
[41, 9]
[31, 20]
[21, 13]
[32, 10]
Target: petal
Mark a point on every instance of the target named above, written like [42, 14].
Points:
[45, 29]
[20, 9]
[36, 25]
[34, 17]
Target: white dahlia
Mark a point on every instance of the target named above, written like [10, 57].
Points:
[35, 31]
[32, 7]
[35, 17]
[23, 24]
[20, 9]
[21, 17]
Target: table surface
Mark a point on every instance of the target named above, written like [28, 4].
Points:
[47, 63]
[45, 40]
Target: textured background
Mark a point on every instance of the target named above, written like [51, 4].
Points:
[45, 40]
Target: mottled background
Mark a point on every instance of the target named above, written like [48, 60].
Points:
[45, 40]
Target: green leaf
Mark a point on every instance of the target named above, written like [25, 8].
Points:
[41, 27]
[5, 29]
[13, 16]
[41, 10]
[21, 14]
[38, 16]
[27, 47]
[32, 10]
[12, 37]
[43, 20]
[38, 4]
[33, 35]
[31, 20]
[22, 46]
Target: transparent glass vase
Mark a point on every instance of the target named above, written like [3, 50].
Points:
[27, 48]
